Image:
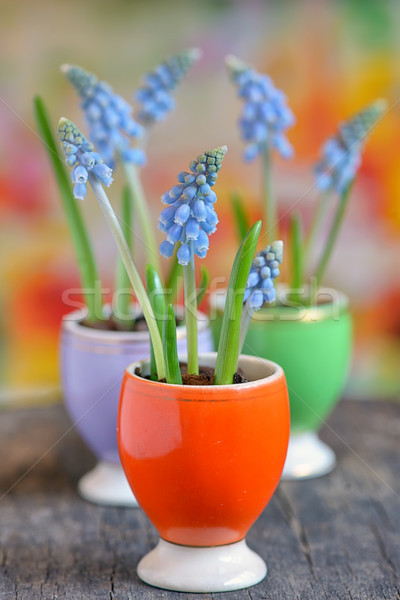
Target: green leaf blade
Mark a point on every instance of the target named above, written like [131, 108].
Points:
[172, 368]
[83, 250]
[156, 296]
[228, 348]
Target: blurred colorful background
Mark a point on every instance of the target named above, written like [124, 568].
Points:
[331, 58]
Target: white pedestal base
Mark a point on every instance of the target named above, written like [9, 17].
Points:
[307, 457]
[107, 484]
[193, 569]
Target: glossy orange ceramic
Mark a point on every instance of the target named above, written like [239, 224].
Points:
[203, 461]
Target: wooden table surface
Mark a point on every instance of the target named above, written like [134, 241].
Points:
[335, 537]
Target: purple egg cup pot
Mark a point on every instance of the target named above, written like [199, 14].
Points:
[92, 363]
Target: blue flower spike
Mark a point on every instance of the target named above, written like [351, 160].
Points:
[265, 116]
[155, 95]
[190, 217]
[80, 157]
[108, 116]
[341, 154]
[265, 268]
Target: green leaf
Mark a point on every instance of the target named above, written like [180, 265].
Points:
[85, 258]
[228, 348]
[172, 368]
[156, 296]
[122, 281]
[296, 248]
[241, 218]
[174, 279]
[204, 284]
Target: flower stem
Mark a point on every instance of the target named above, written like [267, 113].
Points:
[141, 206]
[189, 286]
[337, 221]
[133, 274]
[270, 208]
[316, 225]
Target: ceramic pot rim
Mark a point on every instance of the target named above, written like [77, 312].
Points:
[208, 359]
[339, 304]
[72, 324]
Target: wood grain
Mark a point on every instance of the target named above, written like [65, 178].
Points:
[336, 537]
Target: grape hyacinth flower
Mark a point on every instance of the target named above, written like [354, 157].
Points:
[109, 117]
[189, 219]
[88, 166]
[341, 154]
[265, 115]
[80, 156]
[260, 284]
[190, 216]
[341, 157]
[265, 268]
[154, 96]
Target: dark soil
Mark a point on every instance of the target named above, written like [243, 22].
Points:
[205, 377]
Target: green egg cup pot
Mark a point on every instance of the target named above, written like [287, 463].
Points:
[314, 346]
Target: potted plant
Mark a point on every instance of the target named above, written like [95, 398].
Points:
[307, 328]
[98, 341]
[202, 444]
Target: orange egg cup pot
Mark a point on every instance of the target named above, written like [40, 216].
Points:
[203, 461]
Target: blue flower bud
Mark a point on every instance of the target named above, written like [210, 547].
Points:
[212, 218]
[269, 295]
[199, 210]
[182, 175]
[190, 178]
[168, 214]
[201, 181]
[80, 191]
[253, 279]
[79, 174]
[176, 192]
[265, 272]
[189, 193]
[88, 159]
[164, 227]
[184, 255]
[103, 173]
[182, 214]
[166, 249]
[192, 229]
[71, 160]
[256, 300]
[259, 261]
[267, 283]
[202, 242]
[174, 233]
